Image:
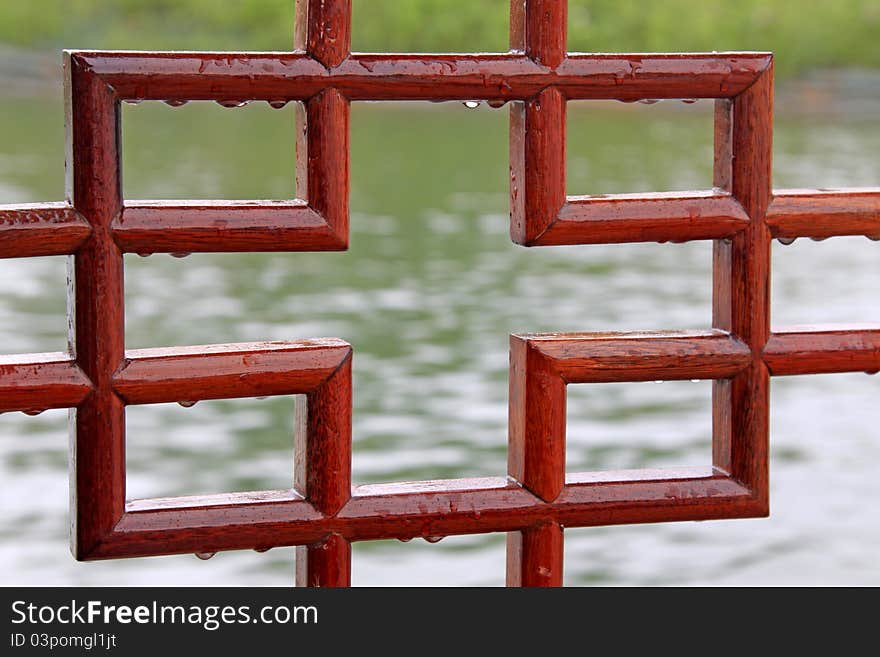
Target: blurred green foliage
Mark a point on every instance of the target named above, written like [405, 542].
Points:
[804, 35]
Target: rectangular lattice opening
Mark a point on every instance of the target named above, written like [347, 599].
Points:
[392, 176]
[830, 149]
[638, 426]
[385, 26]
[813, 282]
[33, 305]
[604, 288]
[224, 298]
[202, 150]
[428, 234]
[453, 561]
[210, 447]
[614, 147]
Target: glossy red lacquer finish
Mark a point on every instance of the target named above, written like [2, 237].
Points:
[321, 512]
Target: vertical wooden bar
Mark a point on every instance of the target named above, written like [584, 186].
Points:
[323, 436]
[537, 125]
[741, 302]
[536, 459]
[537, 164]
[325, 564]
[323, 29]
[327, 157]
[540, 29]
[518, 26]
[534, 556]
[536, 456]
[302, 151]
[323, 474]
[722, 283]
[96, 306]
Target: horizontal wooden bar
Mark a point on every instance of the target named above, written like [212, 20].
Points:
[432, 510]
[36, 382]
[635, 76]
[149, 528]
[660, 217]
[40, 229]
[674, 499]
[822, 213]
[507, 76]
[154, 376]
[223, 226]
[245, 499]
[641, 356]
[824, 350]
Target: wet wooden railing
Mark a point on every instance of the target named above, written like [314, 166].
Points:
[322, 513]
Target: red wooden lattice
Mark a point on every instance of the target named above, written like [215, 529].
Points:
[323, 513]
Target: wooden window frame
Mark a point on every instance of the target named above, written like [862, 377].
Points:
[322, 513]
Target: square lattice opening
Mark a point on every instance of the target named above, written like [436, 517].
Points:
[33, 305]
[218, 152]
[813, 283]
[637, 426]
[210, 447]
[640, 147]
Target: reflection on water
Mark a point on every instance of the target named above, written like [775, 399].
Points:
[427, 295]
